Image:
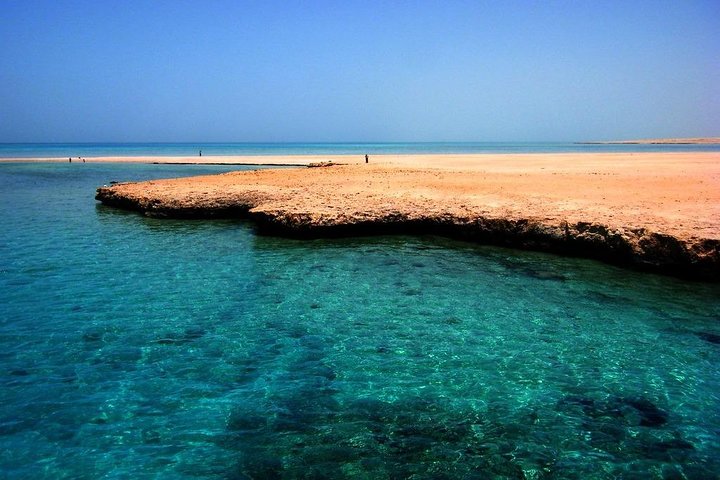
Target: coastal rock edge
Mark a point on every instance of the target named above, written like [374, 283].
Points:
[694, 258]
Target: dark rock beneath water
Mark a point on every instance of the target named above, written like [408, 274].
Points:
[408, 444]
[314, 342]
[650, 414]
[713, 338]
[668, 450]
[626, 410]
[577, 400]
[586, 405]
[412, 292]
[58, 432]
[190, 334]
[247, 374]
[330, 454]
[93, 335]
[243, 421]
[12, 426]
[322, 371]
[543, 275]
[257, 465]
[194, 333]
[101, 419]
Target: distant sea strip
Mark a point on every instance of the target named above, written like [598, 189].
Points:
[62, 150]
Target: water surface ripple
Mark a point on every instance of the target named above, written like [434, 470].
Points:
[140, 348]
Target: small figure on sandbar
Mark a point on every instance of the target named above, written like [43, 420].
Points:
[201, 153]
[70, 159]
[366, 159]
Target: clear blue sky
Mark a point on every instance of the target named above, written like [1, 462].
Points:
[73, 71]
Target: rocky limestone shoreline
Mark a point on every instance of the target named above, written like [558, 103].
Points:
[299, 204]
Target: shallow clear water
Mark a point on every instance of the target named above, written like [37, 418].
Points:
[141, 348]
[65, 150]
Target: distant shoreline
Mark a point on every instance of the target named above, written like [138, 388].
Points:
[222, 152]
[290, 160]
[660, 141]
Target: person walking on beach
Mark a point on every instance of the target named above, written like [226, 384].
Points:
[366, 159]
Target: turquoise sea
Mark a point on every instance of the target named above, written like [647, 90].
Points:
[135, 348]
[65, 150]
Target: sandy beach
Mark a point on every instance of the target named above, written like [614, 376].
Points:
[627, 196]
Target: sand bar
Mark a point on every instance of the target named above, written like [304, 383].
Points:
[662, 141]
[660, 210]
[205, 160]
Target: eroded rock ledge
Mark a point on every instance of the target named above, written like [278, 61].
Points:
[352, 200]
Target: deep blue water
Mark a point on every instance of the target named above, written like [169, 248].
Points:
[65, 150]
[143, 348]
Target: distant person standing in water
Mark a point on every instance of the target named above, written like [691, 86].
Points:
[366, 159]
[201, 153]
[70, 159]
